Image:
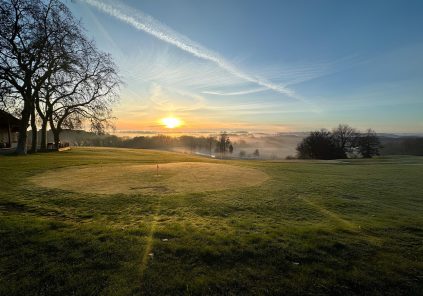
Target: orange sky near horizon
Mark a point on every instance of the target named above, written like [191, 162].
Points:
[196, 124]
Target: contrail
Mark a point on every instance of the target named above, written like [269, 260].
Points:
[148, 24]
[236, 93]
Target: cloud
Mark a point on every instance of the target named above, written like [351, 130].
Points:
[164, 99]
[158, 64]
[148, 24]
[236, 93]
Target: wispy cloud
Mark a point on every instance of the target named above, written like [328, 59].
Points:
[155, 64]
[163, 99]
[236, 93]
[148, 24]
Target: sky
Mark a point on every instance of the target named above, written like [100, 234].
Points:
[268, 66]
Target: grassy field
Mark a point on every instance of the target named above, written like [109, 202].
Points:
[166, 178]
[310, 228]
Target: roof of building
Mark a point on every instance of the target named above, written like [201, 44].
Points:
[6, 118]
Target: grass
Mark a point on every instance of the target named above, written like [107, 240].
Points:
[166, 178]
[312, 228]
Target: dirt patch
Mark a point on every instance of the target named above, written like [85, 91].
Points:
[180, 177]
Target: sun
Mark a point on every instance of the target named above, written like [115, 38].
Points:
[171, 122]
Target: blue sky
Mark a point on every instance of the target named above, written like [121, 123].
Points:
[263, 65]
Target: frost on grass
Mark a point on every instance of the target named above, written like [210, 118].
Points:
[168, 178]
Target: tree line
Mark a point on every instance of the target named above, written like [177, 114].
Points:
[51, 73]
[406, 145]
[342, 142]
[220, 144]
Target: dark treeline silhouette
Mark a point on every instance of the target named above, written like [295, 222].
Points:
[319, 145]
[402, 146]
[342, 142]
[50, 73]
[207, 145]
[224, 144]
[193, 144]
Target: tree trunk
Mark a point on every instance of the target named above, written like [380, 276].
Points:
[43, 144]
[56, 132]
[9, 135]
[25, 115]
[34, 132]
[44, 122]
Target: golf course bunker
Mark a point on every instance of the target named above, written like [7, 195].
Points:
[168, 178]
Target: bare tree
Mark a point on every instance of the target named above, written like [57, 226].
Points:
[9, 100]
[319, 145]
[345, 137]
[369, 144]
[83, 92]
[33, 34]
[50, 71]
[223, 143]
[256, 153]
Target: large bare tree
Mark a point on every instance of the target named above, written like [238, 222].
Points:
[48, 65]
[84, 92]
[29, 32]
[345, 137]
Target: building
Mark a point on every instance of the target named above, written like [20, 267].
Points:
[9, 128]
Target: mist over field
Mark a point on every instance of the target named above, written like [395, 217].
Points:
[270, 146]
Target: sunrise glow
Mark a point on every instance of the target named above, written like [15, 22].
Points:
[171, 122]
